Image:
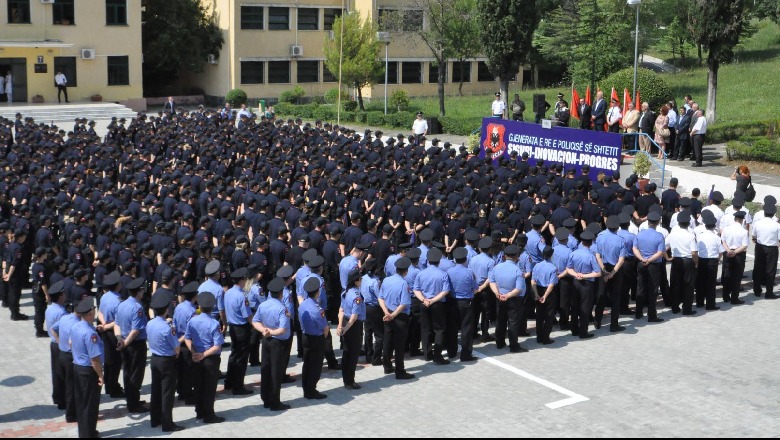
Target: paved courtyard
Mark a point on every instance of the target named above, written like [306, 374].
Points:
[713, 374]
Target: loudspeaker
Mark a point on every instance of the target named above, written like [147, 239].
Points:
[539, 104]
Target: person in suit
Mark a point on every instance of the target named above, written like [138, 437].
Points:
[646, 124]
[585, 115]
[170, 106]
[599, 116]
[682, 131]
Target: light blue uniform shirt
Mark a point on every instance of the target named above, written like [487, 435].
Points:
[431, 282]
[390, 264]
[446, 264]
[423, 256]
[508, 277]
[572, 243]
[482, 265]
[650, 241]
[109, 302]
[583, 261]
[256, 296]
[301, 275]
[462, 282]
[204, 332]
[86, 344]
[525, 263]
[394, 292]
[161, 337]
[273, 315]
[323, 292]
[560, 257]
[237, 309]
[347, 265]
[411, 276]
[214, 288]
[53, 315]
[63, 327]
[535, 240]
[287, 301]
[352, 304]
[181, 317]
[369, 290]
[611, 247]
[130, 316]
[545, 274]
[312, 318]
[470, 253]
[628, 242]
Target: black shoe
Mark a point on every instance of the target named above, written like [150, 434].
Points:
[288, 379]
[695, 165]
[626, 311]
[20, 317]
[518, 349]
[565, 326]
[597, 324]
[404, 376]
[758, 294]
[316, 396]
[140, 409]
[713, 308]
[173, 428]
[335, 367]
[71, 420]
[117, 395]
[265, 405]
[689, 313]
[390, 370]
[213, 419]
[190, 402]
[155, 424]
[676, 310]
[429, 357]
[352, 386]
[768, 296]
[619, 328]
[376, 363]
[587, 336]
[737, 302]
[41, 334]
[438, 360]
[524, 334]
[280, 407]
[468, 358]
[500, 345]
[655, 319]
[638, 316]
[242, 392]
[548, 342]
[62, 407]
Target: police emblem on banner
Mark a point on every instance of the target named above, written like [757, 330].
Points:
[494, 142]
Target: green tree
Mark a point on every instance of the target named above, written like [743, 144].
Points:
[507, 28]
[762, 9]
[358, 58]
[178, 36]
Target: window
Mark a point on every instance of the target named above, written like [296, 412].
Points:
[279, 19]
[278, 72]
[18, 11]
[433, 73]
[67, 65]
[119, 71]
[62, 11]
[413, 20]
[411, 73]
[308, 19]
[483, 73]
[407, 20]
[461, 72]
[308, 71]
[327, 76]
[330, 17]
[252, 72]
[116, 12]
[392, 73]
[251, 17]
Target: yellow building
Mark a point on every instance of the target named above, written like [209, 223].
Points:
[95, 43]
[273, 45]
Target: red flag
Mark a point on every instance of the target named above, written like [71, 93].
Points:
[588, 99]
[638, 101]
[615, 95]
[575, 103]
[626, 101]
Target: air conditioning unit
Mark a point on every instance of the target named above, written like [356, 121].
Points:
[87, 54]
[212, 58]
[47, 2]
[296, 51]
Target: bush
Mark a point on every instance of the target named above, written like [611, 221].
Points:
[401, 119]
[293, 95]
[461, 126]
[332, 96]
[375, 119]
[318, 100]
[236, 97]
[361, 117]
[722, 133]
[652, 88]
[349, 106]
[473, 143]
[399, 100]
[760, 149]
[325, 113]
[284, 108]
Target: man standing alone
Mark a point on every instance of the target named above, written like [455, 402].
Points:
[62, 86]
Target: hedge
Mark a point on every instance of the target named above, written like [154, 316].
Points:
[756, 148]
[461, 126]
[652, 87]
[721, 133]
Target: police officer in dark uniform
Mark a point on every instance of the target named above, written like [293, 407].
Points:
[272, 320]
[314, 327]
[204, 339]
[130, 331]
[395, 300]
[185, 311]
[239, 316]
[40, 286]
[106, 317]
[14, 273]
[164, 345]
[88, 368]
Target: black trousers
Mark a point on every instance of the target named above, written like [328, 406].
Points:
[4, 292]
[452, 326]
[134, 366]
[112, 363]
[583, 297]
[733, 268]
[353, 340]
[313, 354]
[433, 319]
[630, 278]
[330, 355]
[610, 293]
[164, 376]
[528, 309]
[395, 343]
[414, 327]
[39, 303]
[466, 311]
[205, 377]
[14, 295]
[87, 395]
[57, 376]
[185, 368]
[698, 142]
[545, 314]
[240, 336]
[287, 350]
[273, 370]
[66, 367]
[60, 91]
[508, 317]
[708, 274]
[682, 283]
[648, 280]
[565, 290]
[486, 300]
[254, 347]
[374, 334]
[765, 269]
[681, 146]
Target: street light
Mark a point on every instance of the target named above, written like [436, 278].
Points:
[384, 37]
[636, 42]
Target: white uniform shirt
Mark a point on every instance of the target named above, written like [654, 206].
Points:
[701, 125]
[420, 126]
[760, 214]
[710, 245]
[716, 211]
[673, 222]
[728, 218]
[614, 115]
[498, 107]
[735, 236]
[60, 79]
[766, 232]
[682, 243]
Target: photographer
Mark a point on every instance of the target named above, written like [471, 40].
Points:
[742, 176]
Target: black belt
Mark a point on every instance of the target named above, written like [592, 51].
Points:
[682, 258]
[246, 324]
[465, 299]
[163, 357]
[766, 246]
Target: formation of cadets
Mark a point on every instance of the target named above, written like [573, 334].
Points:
[177, 232]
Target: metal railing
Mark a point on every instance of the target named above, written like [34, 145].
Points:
[653, 159]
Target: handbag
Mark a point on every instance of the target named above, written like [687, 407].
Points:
[750, 192]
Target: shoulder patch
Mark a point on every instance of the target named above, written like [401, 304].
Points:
[173, 331]
[140, 313]
[94, 339]
[322, 313]
[286, 313]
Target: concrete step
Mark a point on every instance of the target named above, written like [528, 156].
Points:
[61, 113]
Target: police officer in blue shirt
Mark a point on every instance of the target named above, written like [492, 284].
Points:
[414, 336]
[290, 301]
[272, 320]
[508, 285]
[649, 249]
[395, 300]
[374, 333]
[431, 288]
[87, 368]
[482, 264]
[464, 285]
[211, 285]
[54, 313]
[472, 238]
[315, 264]
[185, 311]
[544, 280]
[62, 330]
[629, 268]
[257, 296]
[390, 263]
[130, 331]
[352, 314]
[109, 303]
[525, 262]
[164, 345]
[204, 339]
[583, 267]
[314, 327]
[536, 243]
[352, 261]
[611, 257]
[239, 316]
[565, 287]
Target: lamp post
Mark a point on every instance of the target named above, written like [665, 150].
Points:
[384, 37]
[636, 3]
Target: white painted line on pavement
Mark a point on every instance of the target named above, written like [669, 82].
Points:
[572, 396]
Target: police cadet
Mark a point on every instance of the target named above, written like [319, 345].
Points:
[289, 300]
[352, 314]
[565, 286]
[272, 320]
[63, 328]
[164, 345]
[14, 273]
[432, 287]
[649, 249]
[40, 286]
[130, 331]
[735, 242]
[109, 303]
[414, 335]
[315, 264]
[257, 296]
[374, 333]
[544, 280]
[482, 264]
[610, 254]
[239, 316]
[211, 285]
[463, 283]
[508, 285]
[204, 339]
[629, 264]
[54, 313]
[681, 243]
[185, 311]
[766, 233]
[395, 300]
[87, 368]
[584, 268]
[314, 327]
[710, 250]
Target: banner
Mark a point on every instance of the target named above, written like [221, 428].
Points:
[571, 147]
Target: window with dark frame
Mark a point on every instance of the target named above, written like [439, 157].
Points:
[327, 76]
[411, 72]
[392, 73]
[278, 72]
[413, 20]
[252, 72]
[433, 73]
[329, 17]
[308, 71]
[308, 19]
[252, 17]
[63, 12]
[116, 12]
[461, 71]
[483, 73]
[67, 65]
[279, 19]
[119, 71]
[19, 11]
